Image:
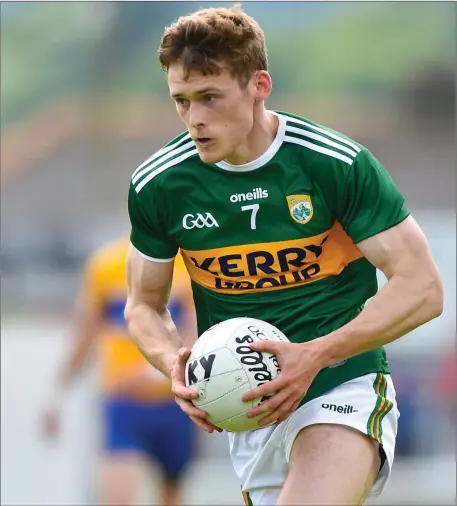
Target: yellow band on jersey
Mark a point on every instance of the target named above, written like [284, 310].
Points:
[272, 265]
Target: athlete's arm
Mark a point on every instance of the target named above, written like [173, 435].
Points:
[149, 322]
[181, 293]
[151, 327]
[412, 296]
[88, 320]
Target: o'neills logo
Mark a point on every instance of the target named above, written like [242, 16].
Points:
[272, 265]
[346, 409]
[255, 194]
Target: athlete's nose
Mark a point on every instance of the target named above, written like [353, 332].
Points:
[196, 119]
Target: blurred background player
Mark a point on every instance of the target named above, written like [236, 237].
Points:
[140, 417]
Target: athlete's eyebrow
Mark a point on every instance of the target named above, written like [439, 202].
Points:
[204, 91]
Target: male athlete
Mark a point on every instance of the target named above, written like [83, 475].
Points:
[141, 421]
[284, 220]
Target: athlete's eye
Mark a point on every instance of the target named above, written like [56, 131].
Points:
[182, 102]
[209, 98]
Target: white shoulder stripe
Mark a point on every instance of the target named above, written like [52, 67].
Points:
[161, 159]
[317, 137]
[152, 259]
[320, 149]
[161, 152]
[154, 173]
[323, 131]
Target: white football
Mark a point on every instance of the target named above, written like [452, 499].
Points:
[222, 368]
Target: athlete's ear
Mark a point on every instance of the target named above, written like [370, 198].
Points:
[263, 85]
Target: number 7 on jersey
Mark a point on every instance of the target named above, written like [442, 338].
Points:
[254, 208]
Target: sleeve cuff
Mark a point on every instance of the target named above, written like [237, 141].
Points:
[154, 259]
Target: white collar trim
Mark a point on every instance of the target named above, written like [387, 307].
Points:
[266, 157]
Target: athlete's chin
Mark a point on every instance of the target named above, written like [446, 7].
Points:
[210, 156]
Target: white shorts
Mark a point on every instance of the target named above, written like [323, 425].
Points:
[261, 457]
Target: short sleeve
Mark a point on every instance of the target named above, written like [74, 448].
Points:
[370, 201]
[148, 230]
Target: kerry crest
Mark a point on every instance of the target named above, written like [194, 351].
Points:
[300, 208]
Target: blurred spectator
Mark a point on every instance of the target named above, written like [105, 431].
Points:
[446, 378]
[431, 95]
[140, 417]
[406, 388]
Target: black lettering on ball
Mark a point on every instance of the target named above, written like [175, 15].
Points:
[244, 339]
[244, 350]
[252, 359]
[262, 376]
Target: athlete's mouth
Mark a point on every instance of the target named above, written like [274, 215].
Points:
[203, 141]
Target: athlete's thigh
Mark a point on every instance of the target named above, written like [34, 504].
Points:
[330, 464]
[173, 443]
[122, 459]
[122, 426]
[120, 476]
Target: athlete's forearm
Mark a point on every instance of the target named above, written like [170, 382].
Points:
[155, 335]
[402, 305]
[74, 363]
[85, 332]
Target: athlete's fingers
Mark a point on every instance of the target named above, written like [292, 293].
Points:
[202, 424]
[190, 409]
[183, 354]
[197, 415]
[266, 389]
[269, 405]
[279, 414]
[265, 345]
[285, 416]
[179, 367]
[180, 390]
[218, 429]
[178, 380]
[51, 424]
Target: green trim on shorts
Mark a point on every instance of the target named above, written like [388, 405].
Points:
[247, 499]
[382, 407]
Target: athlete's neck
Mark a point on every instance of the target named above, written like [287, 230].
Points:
[258, 141]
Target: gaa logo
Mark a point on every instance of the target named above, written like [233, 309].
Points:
[190, 221]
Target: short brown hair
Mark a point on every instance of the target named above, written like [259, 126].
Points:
[210, 39]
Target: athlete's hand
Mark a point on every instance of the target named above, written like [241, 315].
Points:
[184, 395]
[299, 366]
[51, 423]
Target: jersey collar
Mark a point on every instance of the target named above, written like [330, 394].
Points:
[266, 157]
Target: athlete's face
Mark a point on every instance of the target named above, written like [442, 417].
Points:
[216, 110]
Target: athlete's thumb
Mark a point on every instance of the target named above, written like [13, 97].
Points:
[184, 354]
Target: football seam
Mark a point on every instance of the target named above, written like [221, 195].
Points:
[233, 331]
[243, 369]
[216, 375]
[243, 413]
[226, 393]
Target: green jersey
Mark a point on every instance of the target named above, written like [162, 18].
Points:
[275, 238]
